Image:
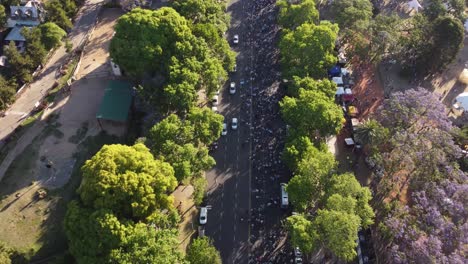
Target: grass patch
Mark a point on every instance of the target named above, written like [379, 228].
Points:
[53, 243]
[80, 133]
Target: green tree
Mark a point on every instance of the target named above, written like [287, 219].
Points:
[19, 65]
[199, 189]
[376, 41]
[184, 63]
[170, 128]
[34, 48]
[371, 133]
[431, 45]
[57, 15]
[307, 83]
[302, 233]
[312, 112]
[346, 185]
[187, 160]
[128, 181]
[434, 9]
[93, 234]
[203, 12]
[217, 43]
[147, 245]
[311, 174]
[293, 15]
[449, 34]
[207, 125]
[144, 40]
[7, 92]
[308, 50]
[337, 231]
[352, 13]
[202, 251]
[70, 7]
[51, 35]
[5, 253]
[3, 16]
[294, 151]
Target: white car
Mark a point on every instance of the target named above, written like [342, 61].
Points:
[215, 100]
[235, 40]
[284, 196]
[234, 123]
[215, 109]
[224, 132]
[232, 88]
[203, 215]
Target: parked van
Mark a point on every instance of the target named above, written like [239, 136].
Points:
[284, 196]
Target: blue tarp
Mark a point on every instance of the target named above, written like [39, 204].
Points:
[335, 71]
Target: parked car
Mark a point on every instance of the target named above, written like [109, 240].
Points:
[232, 88]
[203, 215]
[234, 123]
[235, 40]
[224, 132]
[235, 68]
[215, 109]
[215, 100]
[284, 196]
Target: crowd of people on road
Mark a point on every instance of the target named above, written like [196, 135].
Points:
[261, 96]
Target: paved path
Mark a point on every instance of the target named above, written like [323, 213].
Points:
[44, 81]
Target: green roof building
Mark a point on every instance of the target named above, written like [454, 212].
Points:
[115, 106]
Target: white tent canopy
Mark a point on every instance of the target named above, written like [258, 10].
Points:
[338, 81]
[340, 90]
[414, 5]
[461, 101]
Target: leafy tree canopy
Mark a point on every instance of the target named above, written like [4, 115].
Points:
[51, 35]
[202, 251]
[93, 234]
[307, 83]
[3, 16]
[308, 50]
[99, 237]
[312, 112]
[338, 231]
[161, 43]
[147, 245]
[307, 186]
[203, 12]
[57, 14]
[302, 233]
[352, 13]
[207, 125]
[217, 43]
[294, 15]
[128, 181]
[294, 151]
[347, 186]
[7, 92]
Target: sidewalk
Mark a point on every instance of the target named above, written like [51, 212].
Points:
[44, 81]
[189, 213]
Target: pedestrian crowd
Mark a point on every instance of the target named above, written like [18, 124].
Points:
[261, 94]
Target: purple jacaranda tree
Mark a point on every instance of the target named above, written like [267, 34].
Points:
[427, 222]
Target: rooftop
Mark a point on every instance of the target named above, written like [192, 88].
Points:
[116, 102]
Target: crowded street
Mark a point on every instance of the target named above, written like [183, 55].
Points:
[244, 187]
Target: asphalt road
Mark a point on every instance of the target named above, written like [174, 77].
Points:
[23, 105]
[244, 185]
